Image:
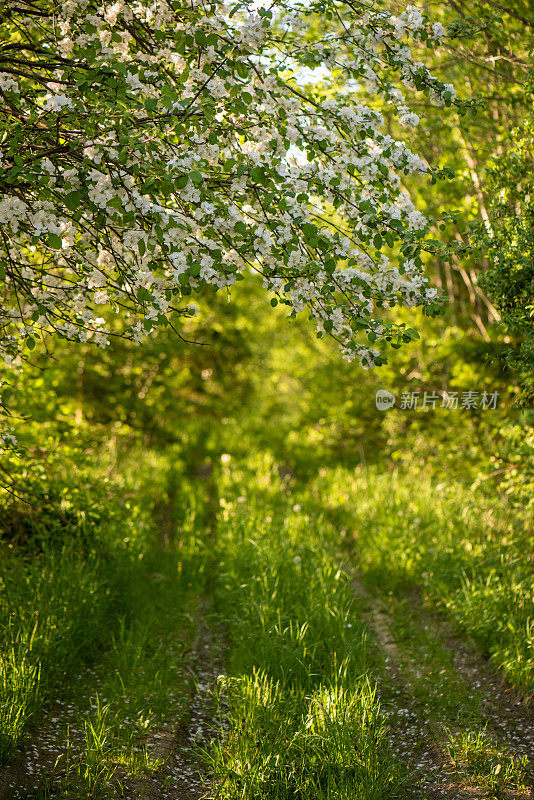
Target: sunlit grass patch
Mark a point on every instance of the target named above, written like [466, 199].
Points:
[484, 764]
[466, 553]
[284, 743]
[299, 719]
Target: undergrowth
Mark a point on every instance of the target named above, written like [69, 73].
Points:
[300, 718]
[298, 709]
[468, 554]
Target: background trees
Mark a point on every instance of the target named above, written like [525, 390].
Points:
[253, 378]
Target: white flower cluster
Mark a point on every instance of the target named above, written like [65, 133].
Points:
[8, 441]
[8, 83]
[190, 157]
[56, 102]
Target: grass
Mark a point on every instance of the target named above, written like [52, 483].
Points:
[449, 702]
[300, 719]
[139, 673]
[142, 680]
[485, 765]
[426, 554]
[465, 553]
[110, 625]
[106, 624]
[54, 610]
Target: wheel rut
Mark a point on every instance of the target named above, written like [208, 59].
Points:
[421, 741]
[181, 775]
[41, 768]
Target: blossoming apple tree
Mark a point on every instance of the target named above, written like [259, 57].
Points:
[154, 147]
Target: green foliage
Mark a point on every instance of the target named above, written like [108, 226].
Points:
[487, 55]
[118, 477]
[466, 552]
[301, 720]
[70, 598]
[509, 245]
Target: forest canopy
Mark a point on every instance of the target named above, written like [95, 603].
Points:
[152, 149]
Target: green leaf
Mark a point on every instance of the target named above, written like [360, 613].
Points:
[54, 241]
[181, 181]
[72, 200]
[116, 203]
[309, 230]
[257, 174]
[182, 76]
[142, 294]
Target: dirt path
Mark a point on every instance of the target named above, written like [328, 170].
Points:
[508, 712]
[181, 776]
[40, 768]
[44, 758]
[417, 735]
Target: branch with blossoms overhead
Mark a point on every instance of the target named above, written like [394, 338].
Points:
[151, 148]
